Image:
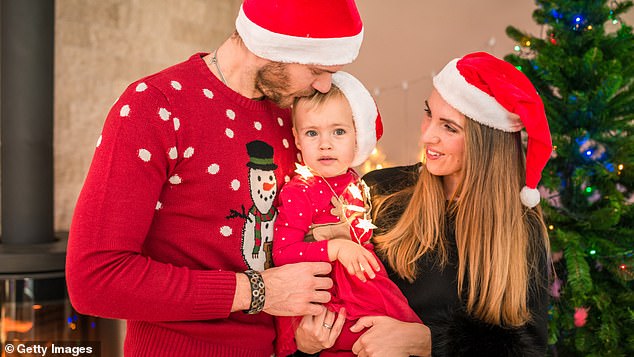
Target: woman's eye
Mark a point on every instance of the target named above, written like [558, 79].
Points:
[428, 112]
[450, 128]
[340, 132]
[311, 133]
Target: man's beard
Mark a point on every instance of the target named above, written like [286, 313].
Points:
[273, 81]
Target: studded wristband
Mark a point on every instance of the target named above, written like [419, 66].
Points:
[257, 291]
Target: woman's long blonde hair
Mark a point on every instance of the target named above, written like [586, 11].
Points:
[492, 228]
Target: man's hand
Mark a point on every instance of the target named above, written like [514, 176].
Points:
[316, 333]
[297, 289]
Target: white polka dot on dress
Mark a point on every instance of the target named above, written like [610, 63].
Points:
[285, 143]
[209, 94]
[231, 114]
[176, 85]
[235, 185]
[141, 87]
[177, 124]
[99, 140]
[164, 114]
[144, 155]
[257, 125]
[125, 111]
[229, 133]
[159, 205]
[175, 180]
[280, 121]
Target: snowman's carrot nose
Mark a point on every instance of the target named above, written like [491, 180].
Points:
[268, 186]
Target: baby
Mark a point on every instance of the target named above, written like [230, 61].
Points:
[335, 131]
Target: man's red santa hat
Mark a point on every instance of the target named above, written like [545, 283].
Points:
[365, 114]
[495, 93]
[321, 32]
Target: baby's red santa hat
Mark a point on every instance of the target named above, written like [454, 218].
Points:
[321, 32]
[366, 116]
[495, 93]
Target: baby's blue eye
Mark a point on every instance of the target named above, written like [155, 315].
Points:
[311, 133]
[340, 131]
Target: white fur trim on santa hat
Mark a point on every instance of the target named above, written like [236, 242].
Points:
[291, 49]
[472, 102]
[364, 114]
[529, 196]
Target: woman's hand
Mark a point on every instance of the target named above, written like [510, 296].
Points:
[319, 332]
[389, 337]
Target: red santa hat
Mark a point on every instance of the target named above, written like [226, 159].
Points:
[322, 32]
[367, 120]
[495, 93]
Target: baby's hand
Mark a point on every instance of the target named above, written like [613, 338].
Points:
[357, 260]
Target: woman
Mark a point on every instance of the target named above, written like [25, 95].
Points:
[466, 246]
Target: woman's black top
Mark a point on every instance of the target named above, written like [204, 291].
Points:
[434, 294]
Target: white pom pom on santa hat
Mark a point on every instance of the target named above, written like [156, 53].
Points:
[366, 116]
[529, 196]
[496, 94]
[321, 32]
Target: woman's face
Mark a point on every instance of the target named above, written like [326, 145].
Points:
[443, 140]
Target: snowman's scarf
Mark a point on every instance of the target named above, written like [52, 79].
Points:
[259, 218]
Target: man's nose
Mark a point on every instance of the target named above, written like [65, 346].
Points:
[323, 82]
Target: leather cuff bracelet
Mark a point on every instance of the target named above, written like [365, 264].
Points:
[257, 291]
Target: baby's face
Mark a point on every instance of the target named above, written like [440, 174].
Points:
[326, 136]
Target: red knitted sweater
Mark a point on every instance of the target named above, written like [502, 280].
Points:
[179, 197]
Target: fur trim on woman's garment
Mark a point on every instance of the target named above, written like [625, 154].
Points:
[464, 335]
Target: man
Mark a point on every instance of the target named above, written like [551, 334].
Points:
[170, 231]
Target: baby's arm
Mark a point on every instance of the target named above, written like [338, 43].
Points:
[293, 222]
[357, 259]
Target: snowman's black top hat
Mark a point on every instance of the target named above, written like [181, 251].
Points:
[260, 155]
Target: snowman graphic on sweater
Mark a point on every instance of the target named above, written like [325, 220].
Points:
[257, 232]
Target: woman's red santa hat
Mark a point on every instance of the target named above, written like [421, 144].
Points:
[365, 114]
[321, 32]
[495, 93]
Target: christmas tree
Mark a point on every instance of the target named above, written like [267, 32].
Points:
[583, 67]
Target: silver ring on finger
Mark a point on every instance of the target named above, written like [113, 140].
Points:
[327, 326]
